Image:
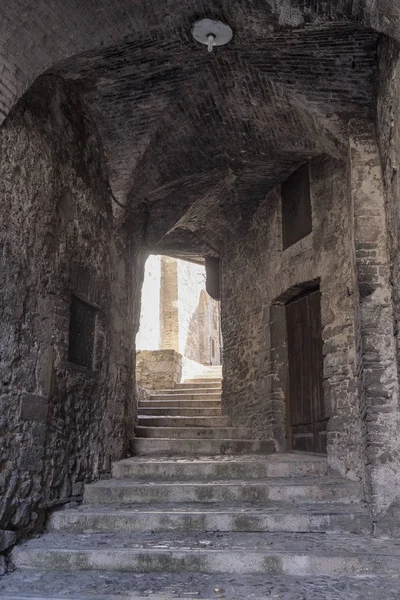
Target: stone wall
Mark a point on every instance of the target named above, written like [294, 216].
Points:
[60, 424]
[198, 316]
[257, 278]
[385, 413]
[158, 369]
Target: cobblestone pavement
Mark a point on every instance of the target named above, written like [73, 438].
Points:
[101, 586]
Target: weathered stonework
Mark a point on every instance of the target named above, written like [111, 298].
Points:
[255, 370]
[193, 145]
[60, 424]
[384, 419]
[158, 369]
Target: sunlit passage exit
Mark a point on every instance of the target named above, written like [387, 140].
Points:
[178, 320]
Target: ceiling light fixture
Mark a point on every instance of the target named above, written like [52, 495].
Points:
[211, 33]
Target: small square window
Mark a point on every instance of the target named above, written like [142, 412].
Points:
[296, 207]
[81, 333]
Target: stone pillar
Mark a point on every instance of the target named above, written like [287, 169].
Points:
[378, 348]
[169, 316]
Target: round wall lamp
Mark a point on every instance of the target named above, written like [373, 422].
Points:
[211, 33]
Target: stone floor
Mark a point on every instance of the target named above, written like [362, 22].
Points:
[132, 586]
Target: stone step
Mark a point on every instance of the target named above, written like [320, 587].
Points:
[217, 433]
[207, 387]
[178, 403]
[197, 397]
[302, 554]
[200, 447]
[189, 390]
[301, 490]
[213, 380]
[183, 421]
[106, 585]
[181, 412]
[213, 468]
[326, 518]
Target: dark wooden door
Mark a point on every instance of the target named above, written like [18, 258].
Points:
[306, 412]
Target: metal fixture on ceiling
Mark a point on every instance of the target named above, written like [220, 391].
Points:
[211, 33]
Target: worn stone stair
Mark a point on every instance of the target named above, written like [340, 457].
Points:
[258, 519]
[208, 432]
[213, 520]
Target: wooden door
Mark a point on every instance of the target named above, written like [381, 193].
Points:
[306, 412]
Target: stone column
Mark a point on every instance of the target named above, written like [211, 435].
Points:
[378, 348]
[169, 316]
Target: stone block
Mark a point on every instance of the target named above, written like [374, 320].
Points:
[32, 459]
[158, 369]
[34, 407]
[7, 539]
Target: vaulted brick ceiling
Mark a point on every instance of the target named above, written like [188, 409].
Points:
[195, 134]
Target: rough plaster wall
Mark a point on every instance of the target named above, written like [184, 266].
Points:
[148, 337]
[59, 425]
[253, 386]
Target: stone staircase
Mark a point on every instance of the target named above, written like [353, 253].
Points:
[204, 512]
[188, 420]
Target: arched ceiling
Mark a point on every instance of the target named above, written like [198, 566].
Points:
[194, 133]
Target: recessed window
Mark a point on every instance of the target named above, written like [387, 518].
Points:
[296, 207]
[81, 333]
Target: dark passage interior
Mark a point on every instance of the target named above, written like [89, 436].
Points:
[271, 160]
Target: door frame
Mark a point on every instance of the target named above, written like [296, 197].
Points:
[304, 294]
[280, 360]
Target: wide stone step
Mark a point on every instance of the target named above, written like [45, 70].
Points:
[300, 490]
[181, 412]
[207, 422]
[217, 433]
[300, 554]
[204, 380]
[327, 518]
[207, 387]
[219, 467]
[201, 447]
[188, 390]
[113, 585]
[200, 396]
[178, 403]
